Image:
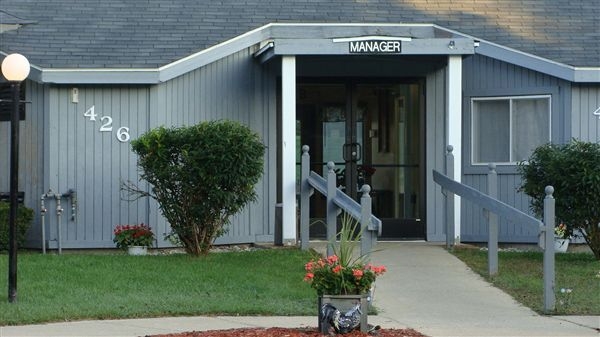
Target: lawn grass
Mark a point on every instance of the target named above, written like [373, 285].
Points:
[105, 286]
[520, 274]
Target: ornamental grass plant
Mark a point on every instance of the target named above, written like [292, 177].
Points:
[344, 272]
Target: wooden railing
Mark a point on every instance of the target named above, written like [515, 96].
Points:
[494, 208]
[337, 201]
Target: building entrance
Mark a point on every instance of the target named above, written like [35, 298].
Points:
[373, 132]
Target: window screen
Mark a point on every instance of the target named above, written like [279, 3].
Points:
[506, 130]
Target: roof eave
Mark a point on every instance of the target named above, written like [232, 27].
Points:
[197, 60]
[559, 70]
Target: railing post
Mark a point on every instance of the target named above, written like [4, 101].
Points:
[449, 202]
[549, 276]
[332, 210]
[305, 192]
[492, 218]
[368, 236]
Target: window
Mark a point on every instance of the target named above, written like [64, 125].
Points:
[506, 130]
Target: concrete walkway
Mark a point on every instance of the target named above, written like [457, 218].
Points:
[426, 289]
[436, 294]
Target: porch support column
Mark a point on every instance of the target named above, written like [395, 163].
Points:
[288, 148]
[454, 126]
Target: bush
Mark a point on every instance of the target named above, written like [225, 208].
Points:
[574, 171]
[201, 175]
[24, 219]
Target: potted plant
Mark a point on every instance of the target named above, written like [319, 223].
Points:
[561, 238]
[343, 281]
[135, 238]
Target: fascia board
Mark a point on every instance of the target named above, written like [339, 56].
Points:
[99, 76]
[213, 53]
[587, 75]
[525, 60]
[533, 62]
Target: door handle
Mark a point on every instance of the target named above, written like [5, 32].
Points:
[352, 152]
[358, 153]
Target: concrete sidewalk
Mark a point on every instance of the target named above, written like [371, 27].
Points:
[426, 289]
[435, 293]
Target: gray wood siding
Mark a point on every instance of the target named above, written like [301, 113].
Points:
[474, 225]
[31, 154]
[585, 125]
[435, 133]
[78, 156]
[61, 149]
[483, 76]
[238, 88]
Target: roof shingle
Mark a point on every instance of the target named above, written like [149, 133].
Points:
[152, 33]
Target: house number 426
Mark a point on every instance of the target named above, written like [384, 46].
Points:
[107, 121]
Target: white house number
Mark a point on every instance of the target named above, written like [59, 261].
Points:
[597, 112]
[122, 133]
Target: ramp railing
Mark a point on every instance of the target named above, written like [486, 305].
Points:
[337, 201]
[494, 208]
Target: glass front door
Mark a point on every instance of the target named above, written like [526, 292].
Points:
[373, 134]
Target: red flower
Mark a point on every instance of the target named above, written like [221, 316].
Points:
[332, 259]
[337, 269]
[358, 273]
[133, 235]
[309, 277]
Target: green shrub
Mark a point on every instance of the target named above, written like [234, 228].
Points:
[200, 175]
[24, 219]
[574, 171]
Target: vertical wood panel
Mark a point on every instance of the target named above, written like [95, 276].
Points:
[224, 89]
[93, 163]
[499, 78]
[435, 144]
[584, 124]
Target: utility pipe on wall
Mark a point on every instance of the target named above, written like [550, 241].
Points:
[43, 211]
[59, 211]
[71, 194]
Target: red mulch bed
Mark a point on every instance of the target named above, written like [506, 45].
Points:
[286, 332]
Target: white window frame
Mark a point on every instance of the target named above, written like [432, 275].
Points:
[510, 114]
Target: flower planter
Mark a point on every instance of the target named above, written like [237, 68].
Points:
[344, 303]
[137, 250]
[561, 245]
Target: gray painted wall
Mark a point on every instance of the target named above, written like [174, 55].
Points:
[61, 149]
[584, 102]
[79, 156]
[483, 76]
[237, 88]
[435, 133]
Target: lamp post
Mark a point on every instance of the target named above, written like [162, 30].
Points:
[15, 69]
